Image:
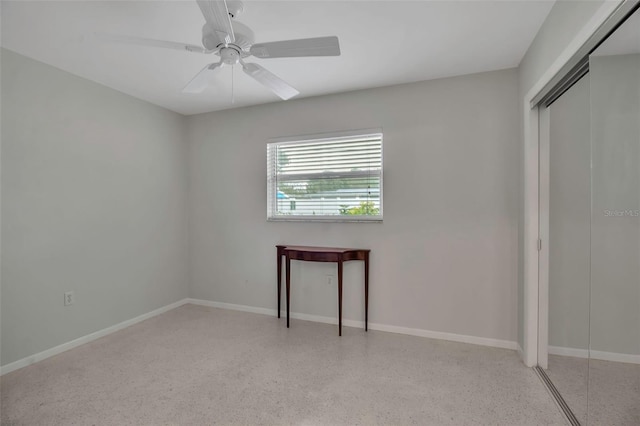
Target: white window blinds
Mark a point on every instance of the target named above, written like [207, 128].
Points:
[332, 178]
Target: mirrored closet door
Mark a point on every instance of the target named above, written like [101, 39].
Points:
[569, 205]
[614, 338]
[592, 223]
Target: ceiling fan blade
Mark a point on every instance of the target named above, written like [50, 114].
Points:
[141, 41]
[320, 46]
[216, 14]
[273, 82]
[202, 79]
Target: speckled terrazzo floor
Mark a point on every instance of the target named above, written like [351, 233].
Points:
[199, 366]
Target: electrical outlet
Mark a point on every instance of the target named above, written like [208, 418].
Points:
[69, 298]
[330, 279]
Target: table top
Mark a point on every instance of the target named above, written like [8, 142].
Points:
[312, 249]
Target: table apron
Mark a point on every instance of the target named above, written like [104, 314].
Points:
[324, 257]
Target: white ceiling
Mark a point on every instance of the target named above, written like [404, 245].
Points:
[382, 43]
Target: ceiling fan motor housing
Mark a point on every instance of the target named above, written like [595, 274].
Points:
[244, 37]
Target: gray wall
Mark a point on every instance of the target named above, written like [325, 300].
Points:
[0, 189]
[570, 218]
[445, 257]
[564, 22]
[615, 248]
[93, 200]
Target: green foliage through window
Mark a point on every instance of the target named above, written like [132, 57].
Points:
[366, 208]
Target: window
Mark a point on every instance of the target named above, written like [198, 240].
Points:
[337, 178]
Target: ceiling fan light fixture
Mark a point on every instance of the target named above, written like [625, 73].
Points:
[229, 55]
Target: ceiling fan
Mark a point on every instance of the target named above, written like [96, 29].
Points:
[233, 42]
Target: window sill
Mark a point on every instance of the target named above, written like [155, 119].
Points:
[326, 219]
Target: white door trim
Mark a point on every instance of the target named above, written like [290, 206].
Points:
[530, 314]
[531, 183]
[544, 117]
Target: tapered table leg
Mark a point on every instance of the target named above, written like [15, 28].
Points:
[366, 291]
[288, 272]
[340, 297]
[279, 278]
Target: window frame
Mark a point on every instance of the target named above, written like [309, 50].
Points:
[315, 138]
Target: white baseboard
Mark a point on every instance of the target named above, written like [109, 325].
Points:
[483, 341]
[232, 307]
[599, 355]
[86, 339]
[615, 357]
[574, 352]
[520, 351]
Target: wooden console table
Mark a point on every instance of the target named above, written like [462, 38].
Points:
[323, 254]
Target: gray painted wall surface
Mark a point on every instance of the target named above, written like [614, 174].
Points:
[615, 248]
[445, 257]
[0, 189]
[570, 218]
[93, 200]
